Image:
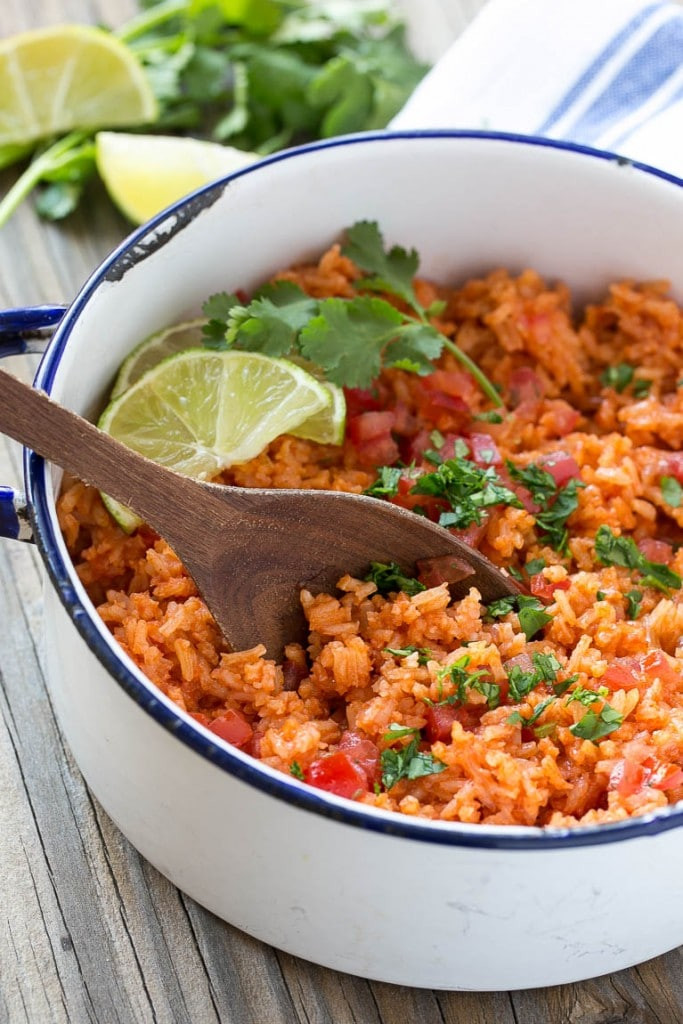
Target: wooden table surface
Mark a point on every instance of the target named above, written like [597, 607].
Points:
[88, 930]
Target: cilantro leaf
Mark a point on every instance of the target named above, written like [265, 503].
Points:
[618, 377]
[517, 719]
[391, 271]
[467, 488]
[423, 653]
[611, 549]
[271, 327]
[347, 338]
[459, 676]
[672, 492]
[407, 762]
[386, 484]
[390, 578]
[530, 612]
[296, 770]
[218, 309]
[633, 601]
[556, 503]
[415, 348]
[594, 725]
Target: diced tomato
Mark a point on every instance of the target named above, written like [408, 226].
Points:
[561, 466]
[370, 433]
[524, 386]
[233, 728]
[423, 503]
[561, 417]
[655, 550]
[363, 752]
[666, 776]
[622, 674]
[472, 534]
[672, 465]
[440, 718]
[405, 421]
[432, 572]
[337, 773]
[656, 665]
[484, 450]
[242, 296]
[627, 777]
[439, 401]
[359, 400]
[542, 588]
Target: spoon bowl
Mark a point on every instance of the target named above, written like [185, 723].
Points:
[249, 550]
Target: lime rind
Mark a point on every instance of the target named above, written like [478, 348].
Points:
[199, 412]
[328, 425]
[155, 348]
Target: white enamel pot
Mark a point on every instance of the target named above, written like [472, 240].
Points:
[381, 896]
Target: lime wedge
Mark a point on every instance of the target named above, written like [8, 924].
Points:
[328, 425]
[158, 346]
[199, 412]
[53, 80]
[145, 173]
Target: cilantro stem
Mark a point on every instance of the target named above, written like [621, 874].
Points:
[484, 383]
[51, 159]
[150, 19]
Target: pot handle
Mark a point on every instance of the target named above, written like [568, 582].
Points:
[22, 331]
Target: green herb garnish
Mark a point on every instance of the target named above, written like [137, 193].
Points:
[389, 578]
[594, 725]
[407, 762]
[556, 504]
[467, 488]
[641, 387]
[534, 566]
[672, 492]
[351, 340]
[517, 719]
[600, 595]
[423, 653]
[296, 770]
[461, 679]
[386, 484]
[618, 377]
[633, 601]
[530, 612]
[611, 549]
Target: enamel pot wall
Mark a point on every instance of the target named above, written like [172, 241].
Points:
[378, 895]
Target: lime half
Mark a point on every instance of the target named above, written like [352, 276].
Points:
[53, 80]
[199, 412]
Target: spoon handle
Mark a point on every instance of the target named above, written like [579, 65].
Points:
[65, 438]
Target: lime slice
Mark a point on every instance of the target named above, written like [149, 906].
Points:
[328, 425]
[199, 412]
[145, 173]
[53, 80]
[158, 346]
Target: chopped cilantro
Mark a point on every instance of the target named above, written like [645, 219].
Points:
[438, 440]
[611, 549]
[618, 377]
[594, 725]
[546, 666]
[407, 762]
[467, 488]
[672, 492]
[641, 387]
[386, 484]
[389, 577]
[556, 504]
[516, 719]
[490, 416]
[534, 566]
[423, 653]
[633, 601]
[583, 695]
[530, 612]
[601, 595]
[462, 679]
[296, 770]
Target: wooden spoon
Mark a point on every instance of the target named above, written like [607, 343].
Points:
[251, 550]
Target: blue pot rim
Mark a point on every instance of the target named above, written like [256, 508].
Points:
[248, 770]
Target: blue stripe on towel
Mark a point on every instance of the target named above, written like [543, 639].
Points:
[637, 81]
[590, 73]
[670, 101]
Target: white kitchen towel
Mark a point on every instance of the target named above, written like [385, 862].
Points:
[606, 73]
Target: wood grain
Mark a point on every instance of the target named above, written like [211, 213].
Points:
[89, 932]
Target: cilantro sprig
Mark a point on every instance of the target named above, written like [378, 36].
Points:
[389, 578]
[612, 549]
[407, 761]
[469, 490]
[350, 339]
[462, 681]
[530, 612]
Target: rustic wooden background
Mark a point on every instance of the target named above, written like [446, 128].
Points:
[89, 932]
